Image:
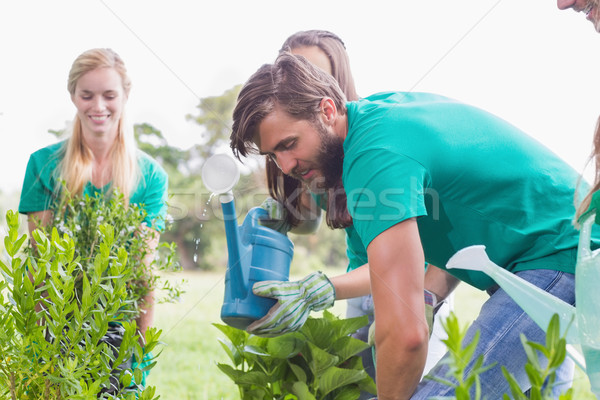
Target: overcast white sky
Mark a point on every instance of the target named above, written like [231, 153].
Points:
[523, 60]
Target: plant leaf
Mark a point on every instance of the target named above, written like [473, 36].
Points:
[285, 346]
[345, 327]
[348, 393]
[318, 331]
[347, 346]
[334, 378]
[236, 336]
[301, 390]
[320, 360]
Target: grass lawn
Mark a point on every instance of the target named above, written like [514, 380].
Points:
[186, 369]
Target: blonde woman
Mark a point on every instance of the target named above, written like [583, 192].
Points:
[99, 155]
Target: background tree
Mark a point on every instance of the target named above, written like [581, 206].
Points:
[215, 116]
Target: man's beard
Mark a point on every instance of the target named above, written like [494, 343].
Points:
[330, 160]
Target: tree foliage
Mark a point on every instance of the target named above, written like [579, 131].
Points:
[215, 116]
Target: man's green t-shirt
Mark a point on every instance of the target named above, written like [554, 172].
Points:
[41, 182]
[469, 178]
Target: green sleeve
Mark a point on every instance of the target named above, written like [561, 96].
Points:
[152, 192]
[383, 189]
[39, 185]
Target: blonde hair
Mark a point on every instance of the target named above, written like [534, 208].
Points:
[76, 166]
[595, 158]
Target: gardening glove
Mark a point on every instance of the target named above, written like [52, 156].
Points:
[277, 216]
[295, 301]
[431, 307]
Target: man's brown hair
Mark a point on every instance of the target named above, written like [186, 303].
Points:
[293, 84]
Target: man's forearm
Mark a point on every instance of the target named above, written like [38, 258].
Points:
[352, 284]
[401, 337]
[396, 263]
[398, 371]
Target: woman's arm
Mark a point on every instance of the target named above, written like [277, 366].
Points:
[146, 315]
[38, 219]
[35, 220]
[440, 282]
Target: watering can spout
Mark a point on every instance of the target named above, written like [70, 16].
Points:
[234, 243]
[473, 258]
[220, 174]
[539, 304]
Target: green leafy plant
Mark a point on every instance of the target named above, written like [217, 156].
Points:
[51, 334]
[319, 362]
[81, 216]
[460, 354]
[542, 378]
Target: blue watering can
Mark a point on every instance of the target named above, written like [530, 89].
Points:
[256, 253]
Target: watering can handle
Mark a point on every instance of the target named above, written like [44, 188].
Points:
[256, 214]
[587, 222]
[251, 223]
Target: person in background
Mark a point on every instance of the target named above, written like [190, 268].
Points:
[591, 10]
[588, 7]
[592, 197]
[98, 157]
[425, 176]
[327, 51]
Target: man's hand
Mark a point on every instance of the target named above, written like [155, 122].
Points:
[431, 308]
[295, 301]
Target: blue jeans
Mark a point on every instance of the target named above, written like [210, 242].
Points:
[358, 307]
[501, 321]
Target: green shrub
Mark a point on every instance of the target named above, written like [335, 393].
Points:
[55, 351]
[542, 379]
[319, 362]
[82, 279]
[459, 356]
[80, 217]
